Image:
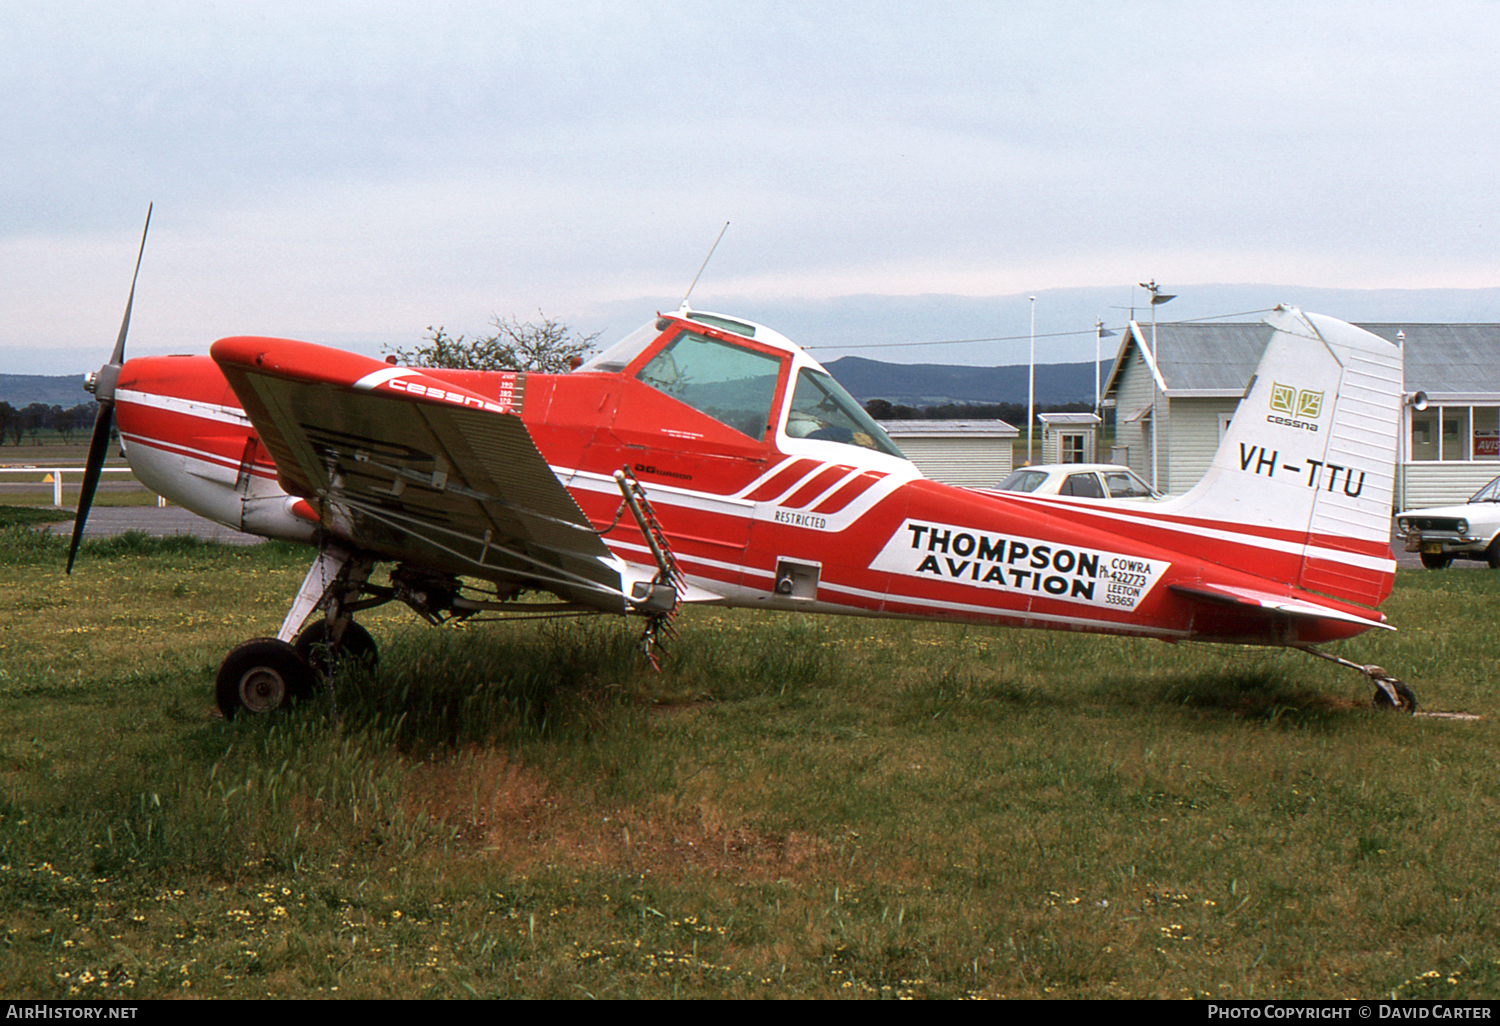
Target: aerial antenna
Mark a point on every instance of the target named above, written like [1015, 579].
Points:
[684, 304]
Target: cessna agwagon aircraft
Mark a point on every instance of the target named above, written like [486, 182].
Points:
[707, 459]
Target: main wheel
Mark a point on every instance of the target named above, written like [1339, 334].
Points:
[1492, 553]
[1436, 560]
[261, 676]
[324, 656]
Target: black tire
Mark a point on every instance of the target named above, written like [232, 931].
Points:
[1407, 696]
[1436, 560]
[260, 677]
[356, 647]
[1492, 554]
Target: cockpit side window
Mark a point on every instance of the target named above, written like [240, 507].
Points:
[822, 410]
[731, 384]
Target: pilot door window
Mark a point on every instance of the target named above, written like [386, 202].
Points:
[822, 410]
[732, 385]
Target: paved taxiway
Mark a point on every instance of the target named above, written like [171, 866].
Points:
[161, 521]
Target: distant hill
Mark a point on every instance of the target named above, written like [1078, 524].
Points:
[21, 390]
[932, 384]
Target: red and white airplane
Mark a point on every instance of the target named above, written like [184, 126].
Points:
[706, 459]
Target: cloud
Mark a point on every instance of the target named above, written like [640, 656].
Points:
[364, 169]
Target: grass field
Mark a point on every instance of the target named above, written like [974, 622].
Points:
[793, 808]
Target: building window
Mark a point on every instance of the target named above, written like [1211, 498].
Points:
[1486, 433]
[1455, 434]
[1072, 448]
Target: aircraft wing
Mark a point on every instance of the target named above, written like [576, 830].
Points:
[418, 470]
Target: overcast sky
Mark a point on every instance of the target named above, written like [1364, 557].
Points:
[351, 173]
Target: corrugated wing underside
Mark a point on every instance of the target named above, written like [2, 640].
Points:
[441, 485]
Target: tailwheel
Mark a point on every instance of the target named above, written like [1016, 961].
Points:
[1391, 693]
[355, 647]
[261, 676]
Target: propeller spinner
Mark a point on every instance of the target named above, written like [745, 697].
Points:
[102, 384]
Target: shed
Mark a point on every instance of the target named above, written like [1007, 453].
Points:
[973, 453]
[1069, 437]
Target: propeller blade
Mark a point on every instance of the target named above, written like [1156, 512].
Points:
[104, 423]
[118, 356]
[102, 384]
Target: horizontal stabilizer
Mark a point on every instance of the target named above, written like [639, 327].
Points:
[1266, 603]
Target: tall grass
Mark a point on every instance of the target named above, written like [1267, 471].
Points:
[793, 807]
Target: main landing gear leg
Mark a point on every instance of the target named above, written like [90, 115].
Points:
[1390, 692]
[334, 584]
[265, 674]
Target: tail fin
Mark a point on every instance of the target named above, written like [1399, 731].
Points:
[1308, 462]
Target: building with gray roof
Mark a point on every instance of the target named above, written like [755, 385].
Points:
[1171, 411]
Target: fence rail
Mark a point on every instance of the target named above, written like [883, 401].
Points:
[56, 474]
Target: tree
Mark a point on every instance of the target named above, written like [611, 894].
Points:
[70, 421]
[1012, 413]
[30, 422]
[547, 345]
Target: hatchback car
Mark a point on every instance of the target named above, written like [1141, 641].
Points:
[1445, 533]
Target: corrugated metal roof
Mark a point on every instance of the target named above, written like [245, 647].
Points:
[1207, 358]
[899, 429]
[1448, 357]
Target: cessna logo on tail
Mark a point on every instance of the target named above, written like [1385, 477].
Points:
[979, 559]
[1295, 407]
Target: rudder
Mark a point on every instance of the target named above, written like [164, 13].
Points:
[1309, 456]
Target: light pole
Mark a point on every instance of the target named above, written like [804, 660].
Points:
[1411, 403]
[1157, 299]
[1031, 382]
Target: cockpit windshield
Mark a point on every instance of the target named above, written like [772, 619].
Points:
[615, 358]
[822, 410]
[734, 385]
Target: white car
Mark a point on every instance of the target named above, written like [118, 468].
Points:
[1445, 533]
[1080, 480]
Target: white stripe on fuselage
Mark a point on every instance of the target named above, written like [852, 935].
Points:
[735, 505]
[919, 607]
[210, 461]
[1199, 531]
[192, 407]
[671, 495]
